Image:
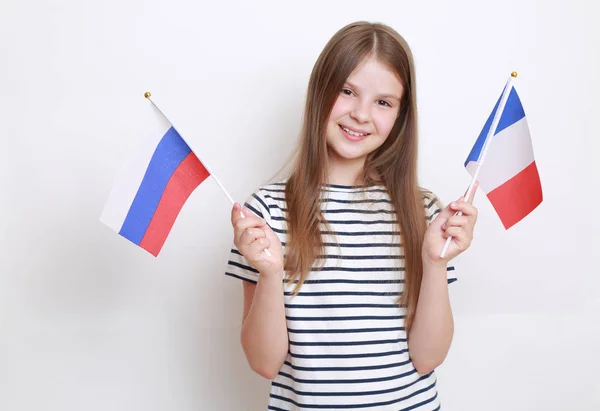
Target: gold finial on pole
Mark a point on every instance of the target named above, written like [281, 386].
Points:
[514, 74]
[147, 94]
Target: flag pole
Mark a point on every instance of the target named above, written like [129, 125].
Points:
[486, 146]
[148, 95]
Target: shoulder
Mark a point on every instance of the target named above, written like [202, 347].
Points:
[432, 203]
[265, 198]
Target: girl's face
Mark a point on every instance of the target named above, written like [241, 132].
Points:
[364, 113]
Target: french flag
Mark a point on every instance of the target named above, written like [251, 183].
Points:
[149, 194]
[509, 177]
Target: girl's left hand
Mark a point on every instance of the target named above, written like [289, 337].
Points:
[446, 224]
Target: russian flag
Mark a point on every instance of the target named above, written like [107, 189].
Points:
[509, 177]
[149, 194]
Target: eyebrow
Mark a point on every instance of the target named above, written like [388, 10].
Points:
[354, 86]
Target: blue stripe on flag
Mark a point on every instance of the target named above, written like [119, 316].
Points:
[169, 153]
[513, 112]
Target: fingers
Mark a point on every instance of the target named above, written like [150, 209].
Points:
[249, 229]
[249, 219]
[235, 213]
[446, 212]
[257, 247]
[459, 227]
[464, 207]
[456, 221]
[243, 236]
[454, 231]
[249, 235]
[238, 213]
[242, 224]
[459, 234]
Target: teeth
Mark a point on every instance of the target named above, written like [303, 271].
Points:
[353, 133]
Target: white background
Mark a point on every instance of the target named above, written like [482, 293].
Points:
[91, 322]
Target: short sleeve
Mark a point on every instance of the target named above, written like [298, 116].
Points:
[237, 265]
[433, 206]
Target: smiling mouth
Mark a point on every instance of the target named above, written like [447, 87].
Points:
[353, 133]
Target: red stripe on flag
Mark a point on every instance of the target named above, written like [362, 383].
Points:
[186, 177]
[518, 197]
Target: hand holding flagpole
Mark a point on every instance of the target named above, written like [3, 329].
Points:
[148, 95]
[486, 146]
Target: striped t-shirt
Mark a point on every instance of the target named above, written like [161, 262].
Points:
[347, 344]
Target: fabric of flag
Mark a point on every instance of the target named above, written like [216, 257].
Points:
[149, 194]
[509, 175]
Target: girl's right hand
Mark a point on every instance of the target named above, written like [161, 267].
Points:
[251, 235]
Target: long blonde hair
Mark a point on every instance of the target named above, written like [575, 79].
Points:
[395, 162]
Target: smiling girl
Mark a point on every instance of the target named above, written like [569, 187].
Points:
[350, 307]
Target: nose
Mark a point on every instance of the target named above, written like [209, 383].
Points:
[361, 112]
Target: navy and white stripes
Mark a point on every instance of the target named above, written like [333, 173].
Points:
[348, 346]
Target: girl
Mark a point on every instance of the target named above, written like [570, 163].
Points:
[349, 309]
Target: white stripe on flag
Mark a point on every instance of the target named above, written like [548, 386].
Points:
[510, 153]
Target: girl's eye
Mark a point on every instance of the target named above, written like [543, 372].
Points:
[347, 92]
[384, 103]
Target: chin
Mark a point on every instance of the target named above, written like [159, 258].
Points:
[347, 155]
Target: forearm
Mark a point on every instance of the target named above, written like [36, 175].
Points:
[433, 326]
[264, 331]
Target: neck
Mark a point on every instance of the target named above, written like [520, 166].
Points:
[345, 172]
